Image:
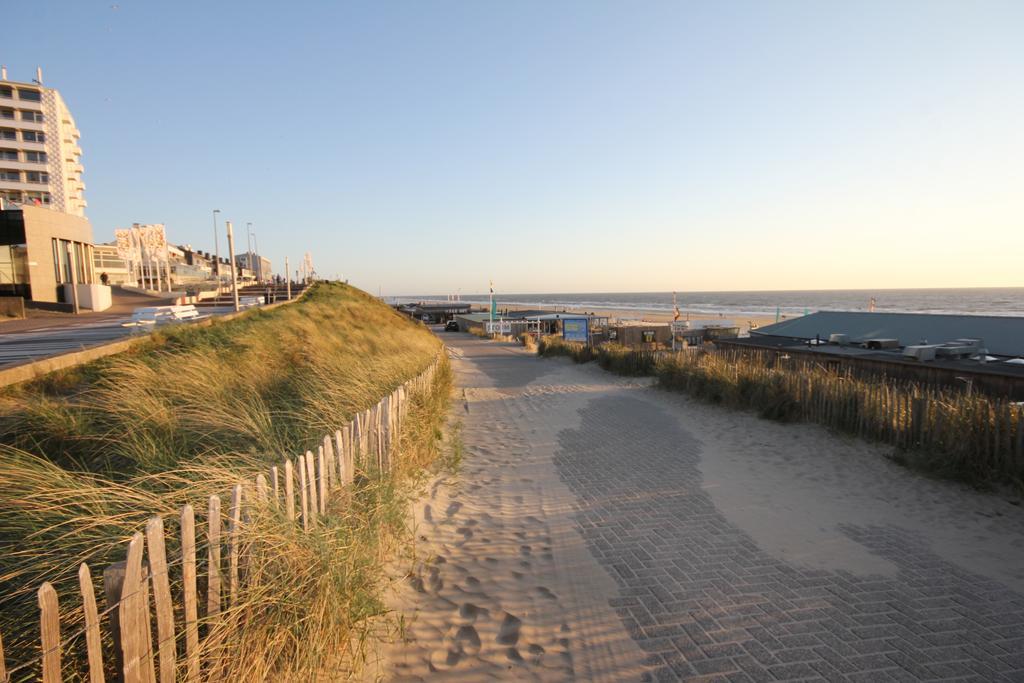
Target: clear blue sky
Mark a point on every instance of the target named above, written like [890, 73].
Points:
[558, 146]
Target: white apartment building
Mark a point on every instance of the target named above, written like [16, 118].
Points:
[40, 160]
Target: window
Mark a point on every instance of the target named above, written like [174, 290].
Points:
[8, 155]
[6, 92]
[36, 116]
[36, 177]
[8, 134]
[7, 114]
[29, 95]
[10, 174]
[37, 198]
[36, 157]
[32, 136]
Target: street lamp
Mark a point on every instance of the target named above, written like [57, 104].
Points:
[248, 241]
[216, 247]
[259, 259]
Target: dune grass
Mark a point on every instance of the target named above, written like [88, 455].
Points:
[86, 455]
[951, 434]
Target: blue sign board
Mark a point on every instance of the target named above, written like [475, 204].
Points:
[576, 329]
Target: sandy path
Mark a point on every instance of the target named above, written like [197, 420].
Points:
[603, 530]
[508, 589]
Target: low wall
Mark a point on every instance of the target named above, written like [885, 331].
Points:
[33, 369]
[92, 297]
[12, 307]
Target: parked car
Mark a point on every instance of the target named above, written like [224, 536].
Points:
[451, 326]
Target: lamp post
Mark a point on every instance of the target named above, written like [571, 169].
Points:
[287, 278]
[231, 254]
[216, 248]
[259, 259]
[248, 241]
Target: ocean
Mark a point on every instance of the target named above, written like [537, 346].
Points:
[1003, 301]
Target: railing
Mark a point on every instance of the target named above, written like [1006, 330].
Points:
[138, 592]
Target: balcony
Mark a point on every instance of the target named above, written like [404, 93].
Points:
[24, 125]
[24, 165]
[22, 185]
[26, 104]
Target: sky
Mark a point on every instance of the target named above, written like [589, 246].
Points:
[570, 146]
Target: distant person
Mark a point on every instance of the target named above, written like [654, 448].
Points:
[104, 279]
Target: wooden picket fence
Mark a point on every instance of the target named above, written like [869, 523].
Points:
[966, 434]
[138, 589]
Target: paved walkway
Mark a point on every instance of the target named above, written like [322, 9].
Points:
[604, 530]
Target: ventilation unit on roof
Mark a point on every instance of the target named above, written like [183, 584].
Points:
[840, 339]
[921, 352]
[882, 343]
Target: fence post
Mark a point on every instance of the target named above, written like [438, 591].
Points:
[49, 629]
[93, 641]
[1020, 438]
[113, 583]
[213, 557]
[149, 668]
[261, 488]
[274, 486]
[355, 442]
[289, 489]
[365, 434]
[234, 535]
[918, 408]
[133, 604]
[339, 453]
[331, 467]
[311, 486]
[162, 598]
[188, 579]
[321, 480]
[378, 434]
[303, 492]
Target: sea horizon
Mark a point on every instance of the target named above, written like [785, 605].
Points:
[997, 301]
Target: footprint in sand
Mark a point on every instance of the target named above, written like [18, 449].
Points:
[464, 642]
[468, 640]
[518, 499]
[508, 632]
[521, 534]
[434, 582]
[453, 508]
[516, 575]
[468, 612]
[525, 550]
[545, 593]
[427, 514]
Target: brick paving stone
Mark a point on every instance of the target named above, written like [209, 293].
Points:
[700, 596]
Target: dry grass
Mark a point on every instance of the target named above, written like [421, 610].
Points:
[968, 437]
[87, 455]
